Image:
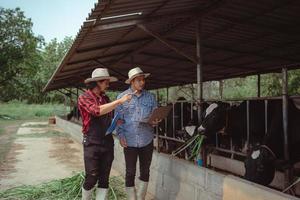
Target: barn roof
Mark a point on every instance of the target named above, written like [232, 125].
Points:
[238, 38]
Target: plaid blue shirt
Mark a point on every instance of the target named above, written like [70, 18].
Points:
[135, 113]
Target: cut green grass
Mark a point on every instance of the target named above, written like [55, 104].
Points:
[63, 189]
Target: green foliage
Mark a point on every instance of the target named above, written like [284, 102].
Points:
[47, 61]
[18, 46]
[26, 61]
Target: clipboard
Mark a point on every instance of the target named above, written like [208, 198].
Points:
[113, 124]
[159, 113]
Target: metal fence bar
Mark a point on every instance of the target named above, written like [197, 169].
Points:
[173, 118]
[181, 108]
[170, 138]
[229, 151]
[266, 117]
[248, 124]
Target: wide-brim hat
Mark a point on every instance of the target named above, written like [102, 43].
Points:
[135, 72]
[100, 74]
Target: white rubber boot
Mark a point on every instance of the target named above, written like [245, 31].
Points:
[87, 194]
[130, 191]
[142, 190]
[101, 193]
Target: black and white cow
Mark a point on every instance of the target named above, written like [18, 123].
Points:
[263, 159]
[268, 147]
[185, 115]
[182, 117]
[231, 121]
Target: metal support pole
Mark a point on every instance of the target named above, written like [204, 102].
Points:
[248, 124]
[200, 83]
[181, 115]
[193, 92]
[192, 101]
[258, 85]
[266, 117]
[285, 121]
[199, 69]
[192, 111]
[156, 128]
[167, 95]
[71, 102]
[157, 97]
[77, 110]
[221, 89]
[173, 120]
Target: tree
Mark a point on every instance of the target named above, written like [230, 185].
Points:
[18, 46]
[50, 58]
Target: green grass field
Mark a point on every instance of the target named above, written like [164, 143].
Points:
[19, 110]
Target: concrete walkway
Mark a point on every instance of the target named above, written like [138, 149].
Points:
[40, 153]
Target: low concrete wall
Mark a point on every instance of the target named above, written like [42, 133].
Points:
[172, 178]
[236, 188]
[73, 129]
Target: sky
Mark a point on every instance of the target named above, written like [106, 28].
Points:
[53, 18]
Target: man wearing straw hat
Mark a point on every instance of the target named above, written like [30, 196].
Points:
[96, 111]
[135, 134]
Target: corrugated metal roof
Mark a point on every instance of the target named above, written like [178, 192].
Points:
[238, 38]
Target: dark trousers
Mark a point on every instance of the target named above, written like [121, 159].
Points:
[144, 154]
[97, 163]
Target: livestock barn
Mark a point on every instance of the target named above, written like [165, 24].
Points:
[191, 42]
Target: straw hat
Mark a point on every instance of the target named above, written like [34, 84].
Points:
[135, 72]
[100, 74]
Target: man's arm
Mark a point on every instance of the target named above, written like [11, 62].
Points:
[91, 107]
[106, 108]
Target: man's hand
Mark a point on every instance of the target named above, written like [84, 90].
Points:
[126, 97]
[123, 142]
[155, 122]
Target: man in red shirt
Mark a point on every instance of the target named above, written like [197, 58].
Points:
[96, 112]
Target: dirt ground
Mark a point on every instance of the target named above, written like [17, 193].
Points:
[37, 154]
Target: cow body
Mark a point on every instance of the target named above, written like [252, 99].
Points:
[267, 147]
[263, 160]
[231, 121]
[184, 115]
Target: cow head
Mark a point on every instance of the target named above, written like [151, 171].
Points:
[214, 118]
[260, 165]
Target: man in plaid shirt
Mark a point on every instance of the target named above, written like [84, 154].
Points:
[96, 112]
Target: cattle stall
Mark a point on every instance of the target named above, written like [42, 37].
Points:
[223, 158]
[186, 42]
